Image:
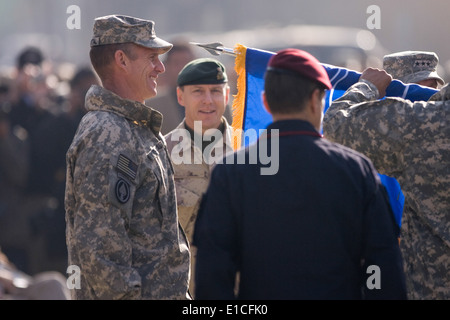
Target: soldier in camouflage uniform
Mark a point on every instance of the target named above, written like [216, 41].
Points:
[122, 224]
[204, 93]
[408, 141]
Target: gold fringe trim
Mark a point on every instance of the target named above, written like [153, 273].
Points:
[239, 99]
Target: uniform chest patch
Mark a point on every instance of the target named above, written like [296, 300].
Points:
[122, 191]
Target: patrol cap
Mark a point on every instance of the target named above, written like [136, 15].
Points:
[115, 29]
[412, 66]
[202, 71]
[299, 62]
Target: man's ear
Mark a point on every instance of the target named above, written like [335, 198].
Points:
[180, 96]
[265, 103]
[227, 95]
[121, 59]
[316, 101]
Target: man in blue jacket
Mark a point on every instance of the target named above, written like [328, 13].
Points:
[318, 228]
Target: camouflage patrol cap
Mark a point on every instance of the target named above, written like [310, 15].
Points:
[412, 66]
[115, 29]
[202, 71]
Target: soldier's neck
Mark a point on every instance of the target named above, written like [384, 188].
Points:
[122, 90]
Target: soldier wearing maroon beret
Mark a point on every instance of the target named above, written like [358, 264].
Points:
[320, 227]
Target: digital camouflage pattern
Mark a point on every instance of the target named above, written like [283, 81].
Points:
[412, 66]
[411, 142]
[115, 29]
[122, 224]
[192, 179]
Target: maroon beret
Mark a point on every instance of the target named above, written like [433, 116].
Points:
[299, 62]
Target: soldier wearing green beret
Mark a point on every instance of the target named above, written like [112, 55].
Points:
[201, 139]
[122, 224]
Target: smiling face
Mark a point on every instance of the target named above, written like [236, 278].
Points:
[205, 103]
[143, 72]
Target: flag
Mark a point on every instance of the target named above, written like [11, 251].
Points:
[249, 113]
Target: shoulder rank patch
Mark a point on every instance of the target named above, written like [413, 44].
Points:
[127, 167]
[122, 191]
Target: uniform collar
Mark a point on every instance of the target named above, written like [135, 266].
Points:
[187, 138]
[292, 125]
[101, 99]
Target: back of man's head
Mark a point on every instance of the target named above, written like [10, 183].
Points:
[291, 77]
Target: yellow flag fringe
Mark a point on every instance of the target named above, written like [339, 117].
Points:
[239, 99]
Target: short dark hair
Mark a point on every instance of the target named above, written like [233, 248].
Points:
[288, 93]
[103, 56]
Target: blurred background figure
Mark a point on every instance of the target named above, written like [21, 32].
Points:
[53, 138]
[39, 113]
[30, 103]
[29, 91]
[14, 164]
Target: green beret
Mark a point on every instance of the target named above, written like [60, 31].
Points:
[202, 71]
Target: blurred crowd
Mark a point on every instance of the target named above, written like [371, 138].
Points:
[41, 105]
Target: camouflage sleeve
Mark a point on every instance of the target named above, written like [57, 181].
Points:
[100, 221]
[362, 91]
[376, 128]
